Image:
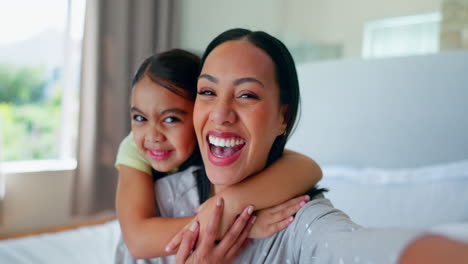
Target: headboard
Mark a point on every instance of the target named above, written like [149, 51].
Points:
[388, 113]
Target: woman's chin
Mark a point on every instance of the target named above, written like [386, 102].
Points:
[222, 178]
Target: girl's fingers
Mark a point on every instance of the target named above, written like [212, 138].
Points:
[175, 241]
[189, 238]
[236, 229]
[278, 226]
[242, 241]
[296, 201]
[286, 212]
[213, 225]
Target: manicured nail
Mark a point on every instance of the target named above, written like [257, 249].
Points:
[194, 226]
[307, 198]
[250, 209]
[302, 204]
[253, 219]
[168, 249]
[290, 219]
[219, 202]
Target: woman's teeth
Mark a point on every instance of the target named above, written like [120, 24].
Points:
[225, 142]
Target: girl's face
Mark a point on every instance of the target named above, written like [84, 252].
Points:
[237, 113]
[162, 125]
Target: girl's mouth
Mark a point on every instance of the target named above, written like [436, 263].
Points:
[224, 148]
[159, 154]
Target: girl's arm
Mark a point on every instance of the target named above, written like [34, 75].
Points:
[145, 234]
[291, 175]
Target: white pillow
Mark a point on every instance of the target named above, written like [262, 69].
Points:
[419, 197]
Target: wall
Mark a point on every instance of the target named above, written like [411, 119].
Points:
[202, 20]
[294, 22]
[388, 113]
[342, 22]
[36, 201]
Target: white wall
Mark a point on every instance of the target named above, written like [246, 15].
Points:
[36, 201]
[390, 113]
[202, 20]
[342, 22]
[294, 22]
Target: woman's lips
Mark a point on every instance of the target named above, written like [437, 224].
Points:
[159, 154]
[224, 148]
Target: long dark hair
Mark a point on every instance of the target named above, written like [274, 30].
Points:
[286, 78]
[176, 70]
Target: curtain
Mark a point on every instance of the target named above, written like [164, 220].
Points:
[118, 35]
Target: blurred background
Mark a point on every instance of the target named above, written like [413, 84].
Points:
[66, 66]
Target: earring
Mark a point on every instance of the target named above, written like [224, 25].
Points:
[283, 132]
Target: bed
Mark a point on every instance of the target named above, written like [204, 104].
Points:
[390, 135]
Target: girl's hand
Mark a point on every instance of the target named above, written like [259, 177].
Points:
[274, 219]
[207, 250]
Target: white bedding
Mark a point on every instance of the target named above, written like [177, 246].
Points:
[434, 198]
[84, 245]
[421, 197]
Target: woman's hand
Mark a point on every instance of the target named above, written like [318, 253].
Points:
[204, 213]
[207, 250]
[269, 221]
[274, 219]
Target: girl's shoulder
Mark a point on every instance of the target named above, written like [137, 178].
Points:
[179, 182]
[177, 194]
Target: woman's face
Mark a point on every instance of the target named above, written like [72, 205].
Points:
[237, 113]
[162, 125]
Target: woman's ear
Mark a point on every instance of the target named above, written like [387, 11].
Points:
[284, 117]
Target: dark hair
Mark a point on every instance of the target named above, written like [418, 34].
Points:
[176, 70]
[285, 73]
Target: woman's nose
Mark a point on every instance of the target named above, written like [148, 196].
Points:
[223, 114]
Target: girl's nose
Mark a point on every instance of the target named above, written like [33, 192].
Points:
[154, 136]
[223, 114]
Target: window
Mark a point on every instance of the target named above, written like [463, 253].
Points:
[40, 53]
[400, 36]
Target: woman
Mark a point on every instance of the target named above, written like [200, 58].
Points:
[248, 89]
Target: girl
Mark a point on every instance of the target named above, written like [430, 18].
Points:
[163, 138]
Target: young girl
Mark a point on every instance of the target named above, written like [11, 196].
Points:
[163, 142]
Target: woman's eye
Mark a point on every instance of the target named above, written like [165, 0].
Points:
[172, 119]
[249, 96]
[139, 118]
[206, 92]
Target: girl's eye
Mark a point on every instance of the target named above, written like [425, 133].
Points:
[249, 96]
[206, 92]
[139, 118]
[171, 119]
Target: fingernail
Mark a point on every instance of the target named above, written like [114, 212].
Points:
[302, 204]
[253, 219]
[168, 249]
[291, 218]
[219, 202]
[194, 226]
[250, 209]
[307, 198]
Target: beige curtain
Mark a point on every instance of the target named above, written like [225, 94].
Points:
[119, 34]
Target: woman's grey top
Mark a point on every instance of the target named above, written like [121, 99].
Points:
[319, 233]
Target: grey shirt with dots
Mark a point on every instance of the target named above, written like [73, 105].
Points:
[319, 233]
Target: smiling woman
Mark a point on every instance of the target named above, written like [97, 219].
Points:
[243, 105]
